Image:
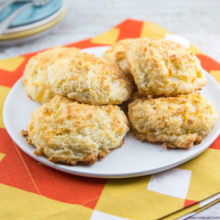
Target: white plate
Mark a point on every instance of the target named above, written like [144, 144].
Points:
[134, 158]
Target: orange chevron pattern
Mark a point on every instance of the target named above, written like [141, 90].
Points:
[76, 197]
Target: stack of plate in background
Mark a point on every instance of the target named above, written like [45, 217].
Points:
[31, 23]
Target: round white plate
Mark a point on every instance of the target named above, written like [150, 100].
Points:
[134, 158]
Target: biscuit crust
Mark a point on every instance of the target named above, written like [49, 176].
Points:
[71, 133]
[89, 79]
[118, 53]
[177, 122]
[35, 78]
[74, 74]
[164, 68]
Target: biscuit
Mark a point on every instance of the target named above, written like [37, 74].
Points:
[164, 68]
[90, 80]
[76, 75]
[177, 122]
[35, 78]
[70, 132]
[118, 53]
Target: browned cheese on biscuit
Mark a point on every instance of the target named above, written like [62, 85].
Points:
[77, 75]
[177, 122]
[69, 132]
[164, 68]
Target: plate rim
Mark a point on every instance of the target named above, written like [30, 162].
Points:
[36, 24]
[31, 32]
[17, 41]
[90, 173]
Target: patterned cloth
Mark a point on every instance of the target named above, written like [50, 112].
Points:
[30, 190]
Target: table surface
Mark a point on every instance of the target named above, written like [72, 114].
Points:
[198, 21]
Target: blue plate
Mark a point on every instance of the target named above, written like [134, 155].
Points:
[30, 14]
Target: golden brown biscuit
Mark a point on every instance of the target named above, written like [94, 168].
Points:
[164, 68]
[35, 78]
[90, 79]
[76, 75]
[69, 132]
[177, 122]
[117, 53]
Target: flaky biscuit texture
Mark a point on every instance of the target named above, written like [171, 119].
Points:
[89, 79]
[70, 132]
[118, 53]
[177, 122]
[164, 68]
[76, 75]
[35, 78]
